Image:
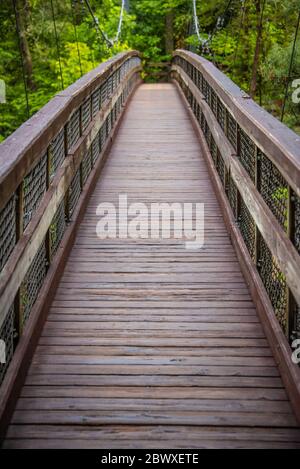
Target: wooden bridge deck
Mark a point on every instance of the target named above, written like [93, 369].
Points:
[148, 344]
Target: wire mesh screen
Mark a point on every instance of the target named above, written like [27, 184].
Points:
[73, 129]
[232, 130]
[86, 166]
[57, 228]
[96, 148]
[104, 93]
[108, 124]
[221, 168]
[33, 281]
[221, 113]
[109, 87]
[274, 282]
[213, 150]
[205, 90]
[86, 114]
[247, 227]
[7, 334]
[271, 185]
[96, 102]
[247, 154]
[296, 222]
[273, 189]
[8, 230]
[102, 136]
[34, 187]
[232, 194]
[214, 102]
[56, 153]
[74, 193]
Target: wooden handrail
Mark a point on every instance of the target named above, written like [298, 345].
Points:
[44, 167]
[21, 150]
[275, 139]
[254, 161]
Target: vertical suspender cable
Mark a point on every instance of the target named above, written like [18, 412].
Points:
[57, 45]
[21, 58]
[290, 69]
[120, 22]
[99, 31]
[196, 22]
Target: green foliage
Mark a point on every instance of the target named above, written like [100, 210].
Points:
[145, 28]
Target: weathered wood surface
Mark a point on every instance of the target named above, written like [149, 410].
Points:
[20, 261]
[279, 143]
[148, 344]
[20, 151]
[273, 233]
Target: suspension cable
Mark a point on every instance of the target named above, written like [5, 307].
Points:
[196, 22]
[57, 45]
[72, 2]
[99, 31]
[21, 58]
[116, 39]
[290, 69]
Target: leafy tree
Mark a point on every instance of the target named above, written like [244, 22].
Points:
[253, 49]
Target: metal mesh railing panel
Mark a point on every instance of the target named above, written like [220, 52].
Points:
[96, 102]
[96, 148]
[7, 334]
[232, 194]
[34, 187]
[86, 166]
[8, 230]
[296, 222]
[103, 93]
[214, 150]
[221, 168]
[86, 114]
[221, 113]
[232, 130]
[74, 192]
[247, 154]
[273, 189]
[33, 281]
[57, 228]
[102, 139]
[56, 153]
[274, 282]
[247, 227]
[73, 129]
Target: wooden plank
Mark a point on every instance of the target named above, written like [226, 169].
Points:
[273, 233]
[21, 150]
[20, 260]
[279, 345]
[147, 344]
[16, 373]
[275, 139]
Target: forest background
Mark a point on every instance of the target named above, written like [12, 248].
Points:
[48, 44]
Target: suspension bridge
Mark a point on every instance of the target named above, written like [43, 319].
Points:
[142, 343]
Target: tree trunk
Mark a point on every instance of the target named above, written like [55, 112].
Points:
[259, 27]
[169, 37]
[22, 12]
